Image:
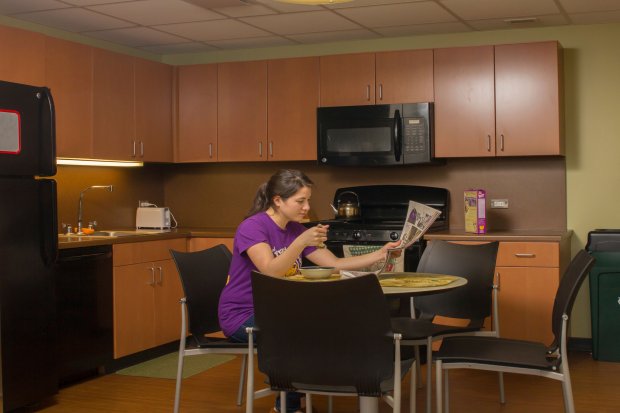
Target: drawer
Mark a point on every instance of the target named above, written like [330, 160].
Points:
[137, 252]
[528, 254]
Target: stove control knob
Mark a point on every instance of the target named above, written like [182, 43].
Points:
[394, 235]
[357, 235]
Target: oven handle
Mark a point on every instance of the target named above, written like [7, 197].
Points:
[398, 139]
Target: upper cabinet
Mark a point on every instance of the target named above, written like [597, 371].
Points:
[498, 101]
[242, 111]
[113, 106]
[22, 56]
[197, 113]
[293, 97]
[376, 78]
[153, 110]
[68, 74]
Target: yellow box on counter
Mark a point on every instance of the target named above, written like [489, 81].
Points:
[475, 211]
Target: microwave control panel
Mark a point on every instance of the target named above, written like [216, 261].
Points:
[415, 135]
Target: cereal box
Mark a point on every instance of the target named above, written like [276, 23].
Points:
[475, 211]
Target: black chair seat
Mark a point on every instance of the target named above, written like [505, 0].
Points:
[214, 342]
[498, 351]
[420, 329]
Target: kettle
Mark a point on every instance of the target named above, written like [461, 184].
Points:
[349, 209]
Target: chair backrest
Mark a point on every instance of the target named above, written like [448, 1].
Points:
[476, 263]
[569, 286]
[203, 276]
[332, 333]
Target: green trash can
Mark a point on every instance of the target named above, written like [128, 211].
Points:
[604, 245]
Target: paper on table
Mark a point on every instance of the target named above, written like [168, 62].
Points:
[419, 219]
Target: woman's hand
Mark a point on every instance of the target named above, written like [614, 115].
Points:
[315, 236]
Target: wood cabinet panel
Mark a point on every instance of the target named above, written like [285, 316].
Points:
[528, 104]
[242, 111]
[528, 254]
[293, 97]
[198, 244]
[404, 76]
[464, 102]
[153, 111]
[134, 252]
[169, 292]
[348, 79]
[197, 92]
[69, 75]
[22, 56]
[113, 106]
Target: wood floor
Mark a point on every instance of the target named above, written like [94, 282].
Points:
[596, 387]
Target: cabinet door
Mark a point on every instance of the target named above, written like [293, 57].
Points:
[153, 111]
[242, 111]
[168, 293]
[68, 74]
[526, 296]
[404, 76]
[22, 56]
[348, 79]
[113, 106]
[528, 107]
[293, 96]
[134, 318]
[464, 102]
[197, 139]
[199, 244]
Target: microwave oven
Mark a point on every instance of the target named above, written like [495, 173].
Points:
[396, 134]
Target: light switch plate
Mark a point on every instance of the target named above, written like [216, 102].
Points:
[499, 203]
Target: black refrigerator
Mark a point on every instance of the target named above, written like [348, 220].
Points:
[28, 246]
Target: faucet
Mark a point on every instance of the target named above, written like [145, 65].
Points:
[79, 220]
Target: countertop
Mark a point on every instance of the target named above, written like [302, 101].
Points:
[508, 235]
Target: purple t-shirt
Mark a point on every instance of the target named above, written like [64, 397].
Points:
[236, 304]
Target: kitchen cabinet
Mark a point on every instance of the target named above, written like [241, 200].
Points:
[381, 78]
[292, 100]
[68, 74]
[147, 290]
[242, 111]
[500, 100]
[153, 111]
[199, 244]
[113, 106]
[23, 56]
[197, 113]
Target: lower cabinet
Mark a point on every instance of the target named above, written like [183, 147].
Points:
[199, 244]
[147, 290]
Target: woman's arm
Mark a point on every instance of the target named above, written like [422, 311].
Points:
[326, 258]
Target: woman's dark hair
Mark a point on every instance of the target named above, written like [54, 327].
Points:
[284, 183]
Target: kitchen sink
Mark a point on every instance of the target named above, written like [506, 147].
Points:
[108, 234]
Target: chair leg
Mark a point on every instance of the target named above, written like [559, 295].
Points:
[429, 372]
[283, 401]
[249, 387]
[244, 363]
[446, 391]
[567, 390]
[308, 403]
[412, 387]
[418, 369]
[330, 404]
[177, 391]
[438, 386]
[502, 393]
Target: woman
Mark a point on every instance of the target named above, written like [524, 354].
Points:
[272, 240]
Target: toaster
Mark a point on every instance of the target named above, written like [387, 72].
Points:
[152, 218]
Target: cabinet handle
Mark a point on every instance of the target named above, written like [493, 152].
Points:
[133, 152]
[368, 92]
[488, 143]
[525, 255]
[260, 149]
[271, 149]
[152, 282]
[141, 149]
[380, 91]
[161, 276]
[210, 150]
[501, 142]
[499, 281]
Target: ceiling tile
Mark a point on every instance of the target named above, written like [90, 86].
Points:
[213, 30]
[245, 11]
[288, 7]
[136, 36]
[192, 47]
[74, 20]
[20, 6]
[269, 41]
[490, 9]
[151, 12]
[597, 17]
[361, 3]
[89, 2]
[431, 28]
[580, 6]
[310, 22]
[338, 36]
[398, 14]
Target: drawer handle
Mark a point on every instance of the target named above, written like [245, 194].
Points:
[525, 255]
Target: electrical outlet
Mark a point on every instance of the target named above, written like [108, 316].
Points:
[143, 203]
[499, 203]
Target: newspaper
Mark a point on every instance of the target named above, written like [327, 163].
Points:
[420, 217]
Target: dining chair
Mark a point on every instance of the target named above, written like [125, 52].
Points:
[517, 356]
[474, 302]
[326, 337]
[203, 276]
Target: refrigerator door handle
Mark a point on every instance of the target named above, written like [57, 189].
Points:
[47, 133]
[49, 221]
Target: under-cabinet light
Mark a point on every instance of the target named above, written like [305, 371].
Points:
[97, 162]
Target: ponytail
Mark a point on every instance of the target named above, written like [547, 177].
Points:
[284, 183]
[261, 201]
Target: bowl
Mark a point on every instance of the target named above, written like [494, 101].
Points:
[317, 272]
